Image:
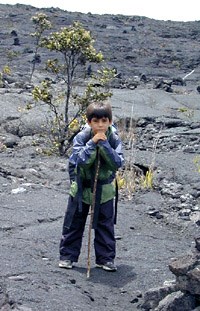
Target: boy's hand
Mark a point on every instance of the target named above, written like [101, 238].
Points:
[99, 136]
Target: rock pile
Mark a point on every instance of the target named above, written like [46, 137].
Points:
[183, 293]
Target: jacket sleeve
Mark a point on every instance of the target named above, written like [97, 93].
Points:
[112, 155]
[83, 154]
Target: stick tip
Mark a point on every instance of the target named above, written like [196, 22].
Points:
[88, 275]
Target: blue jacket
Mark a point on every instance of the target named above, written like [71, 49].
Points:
[83, 159]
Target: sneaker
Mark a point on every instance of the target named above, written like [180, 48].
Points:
[108, 266]
[67, 264]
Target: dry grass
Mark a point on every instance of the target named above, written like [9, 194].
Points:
[131, 178]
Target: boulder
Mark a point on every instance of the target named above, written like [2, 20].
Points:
[187, 271]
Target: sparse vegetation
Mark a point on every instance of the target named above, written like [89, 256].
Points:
[186, 111]
[5, 71]
[41, 23]
[147, 180]
[11, 55]
[197, 163]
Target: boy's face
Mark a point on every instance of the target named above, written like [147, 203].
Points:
[99, 125]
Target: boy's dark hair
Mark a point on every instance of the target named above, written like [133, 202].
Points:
[99, 110]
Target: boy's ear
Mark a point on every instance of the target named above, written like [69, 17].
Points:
[88, 122]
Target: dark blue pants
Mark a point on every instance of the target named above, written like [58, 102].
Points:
[104, 241]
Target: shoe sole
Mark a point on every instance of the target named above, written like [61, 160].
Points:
[65, 267]
[106, 268]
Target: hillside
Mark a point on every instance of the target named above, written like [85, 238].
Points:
[134, 45]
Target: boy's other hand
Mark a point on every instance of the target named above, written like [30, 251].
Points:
[99, 136]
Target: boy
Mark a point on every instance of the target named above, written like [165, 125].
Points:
[99, 140]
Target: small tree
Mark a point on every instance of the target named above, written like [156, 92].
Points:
[75, 46]
[41, 23]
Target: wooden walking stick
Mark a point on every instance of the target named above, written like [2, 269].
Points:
[92, 207]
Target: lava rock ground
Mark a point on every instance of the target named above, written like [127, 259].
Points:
[34, 191]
